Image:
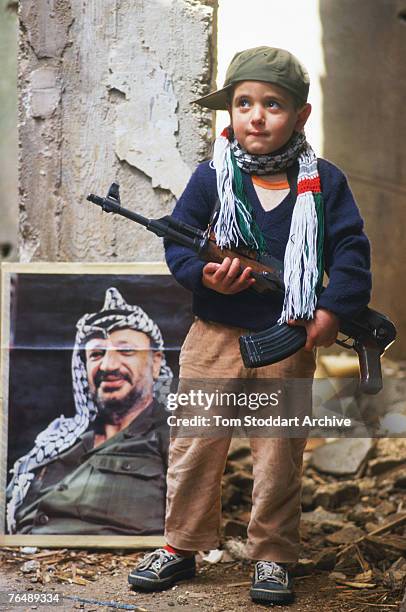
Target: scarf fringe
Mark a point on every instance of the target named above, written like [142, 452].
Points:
[234, 221]
[300, 264]
[303, 262]
[226, 228]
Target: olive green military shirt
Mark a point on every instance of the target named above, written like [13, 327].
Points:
[117, 488]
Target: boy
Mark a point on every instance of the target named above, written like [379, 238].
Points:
[269, 194]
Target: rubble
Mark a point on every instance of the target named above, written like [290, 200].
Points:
[349, 560]
[344, 365]
[400, 482]
[326, 559]
[234, 528]
[395, 576]
[304, 567]
[320, 516]
[362, 514]
[386, 548]
[342, 457]
[335, 494]
[232, 497]
[337, 576]
[242, 479]
[28, 550]
[394, 424]
[353, 530]
[383, 464]
[346, 535]
[356, 585]
[236, 548]
[323, 522]
[366, 485]
[308, 491]
[239, 451]
[385, 508]
[30, 566]
[214, 556]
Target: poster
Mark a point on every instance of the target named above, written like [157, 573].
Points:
[88, 355]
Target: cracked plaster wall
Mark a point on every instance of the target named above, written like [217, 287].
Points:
[105, 91]
[8, 130]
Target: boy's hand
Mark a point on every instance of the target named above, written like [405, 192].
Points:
[322, 330]
[225, 277]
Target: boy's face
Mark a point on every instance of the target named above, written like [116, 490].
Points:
[264, 116]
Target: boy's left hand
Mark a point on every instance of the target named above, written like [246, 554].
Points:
[322, 330]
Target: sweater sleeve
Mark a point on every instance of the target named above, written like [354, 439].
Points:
[194, 208]
[346, 247]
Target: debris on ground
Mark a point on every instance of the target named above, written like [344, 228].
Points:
[354, 528]
[342, 457]
[353, 533]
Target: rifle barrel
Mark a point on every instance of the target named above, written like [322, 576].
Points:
[109, 205]
[161, 227]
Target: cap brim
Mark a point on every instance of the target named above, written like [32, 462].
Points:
[217, 100]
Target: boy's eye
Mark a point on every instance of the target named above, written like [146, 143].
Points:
[246, 103]
[243, 102]
[273, 104]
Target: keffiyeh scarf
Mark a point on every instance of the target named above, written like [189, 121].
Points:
[235, 224]
[62, 432]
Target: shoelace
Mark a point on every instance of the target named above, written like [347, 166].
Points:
[155, 559]
[271, 571]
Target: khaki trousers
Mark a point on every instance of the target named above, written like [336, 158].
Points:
[196, 465]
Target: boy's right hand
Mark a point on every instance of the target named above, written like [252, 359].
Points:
[226, 278]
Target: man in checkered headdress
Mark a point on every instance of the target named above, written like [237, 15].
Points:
[102, 471]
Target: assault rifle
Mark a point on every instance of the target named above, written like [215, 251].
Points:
[370, 331]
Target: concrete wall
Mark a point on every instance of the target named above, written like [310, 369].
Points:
[364, 92]
[8, 130]
[105, 91]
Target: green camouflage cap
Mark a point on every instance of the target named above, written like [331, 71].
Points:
[267, 64]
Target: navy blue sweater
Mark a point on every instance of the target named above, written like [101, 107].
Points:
[346, 248]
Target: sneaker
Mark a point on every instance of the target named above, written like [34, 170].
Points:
[271, 584]
[159, 569]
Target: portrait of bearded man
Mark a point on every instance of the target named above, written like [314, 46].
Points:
[102, 471]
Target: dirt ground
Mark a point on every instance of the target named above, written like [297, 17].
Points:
[353, 551]
[218, 587]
